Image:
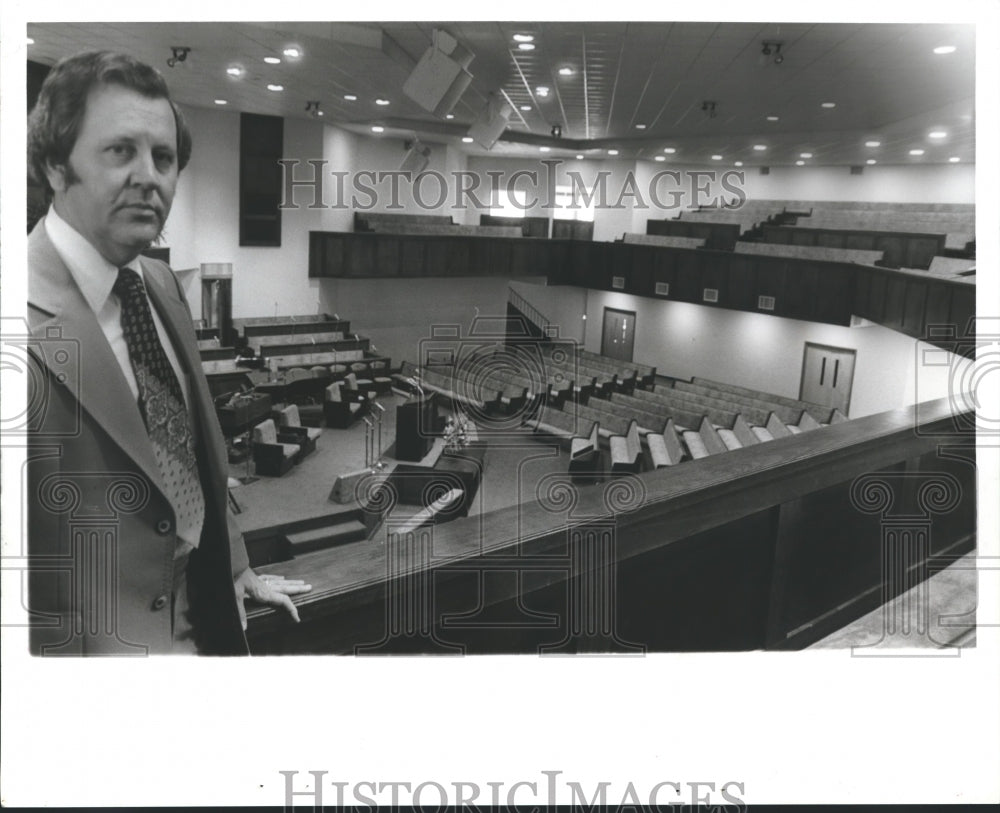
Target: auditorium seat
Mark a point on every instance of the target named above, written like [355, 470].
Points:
[664, 449]
[290, 423]
[695, 445]
[625, 451]
[274, 453]
[585, 455]
[807, 422]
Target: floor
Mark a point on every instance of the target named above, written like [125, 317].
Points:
[516, 463]
[936, 614]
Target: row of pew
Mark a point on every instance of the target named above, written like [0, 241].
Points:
[598, 406]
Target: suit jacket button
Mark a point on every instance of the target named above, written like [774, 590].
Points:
[160, 602]
[163, 526]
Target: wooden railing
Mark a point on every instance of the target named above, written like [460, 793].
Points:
[771, 546]
[796, 288]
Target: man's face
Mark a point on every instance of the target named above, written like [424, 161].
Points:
[119, 183]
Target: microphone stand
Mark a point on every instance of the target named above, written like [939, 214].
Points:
[249, 478]
[378, 463]
[368, 435]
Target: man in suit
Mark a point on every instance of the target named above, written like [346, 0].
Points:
[132, 547]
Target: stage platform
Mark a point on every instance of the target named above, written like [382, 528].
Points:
[270, 506]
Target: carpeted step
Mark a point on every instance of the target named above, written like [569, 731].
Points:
[326, 536]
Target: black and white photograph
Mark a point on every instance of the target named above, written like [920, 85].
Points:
[472, 412]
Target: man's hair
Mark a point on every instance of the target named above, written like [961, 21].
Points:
[55, 121]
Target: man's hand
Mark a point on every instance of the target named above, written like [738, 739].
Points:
[268, 589]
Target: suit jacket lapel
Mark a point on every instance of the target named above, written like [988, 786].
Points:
[58, 312]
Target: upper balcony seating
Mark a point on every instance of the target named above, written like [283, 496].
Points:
[844, 255]
[807, 206]
[385, 221]
[394, 223]
[663, 240]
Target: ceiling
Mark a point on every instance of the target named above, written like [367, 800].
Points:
[638, 88]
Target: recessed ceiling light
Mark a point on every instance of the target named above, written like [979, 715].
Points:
[737, 163]
[234, 71]
[566, 71]
[916, 152]
[772, 118]
[272, 60]
[716, 157]
[541, 90]
[382, 102]
[527, 46]
[276, 88]
[937, 134]
[760, 147]
[544, 149]
[579, 158]
[954, 159]
[30, 41]
[467, 139]
[805, 155]
[524, 38]
[659, 158]
[292, 53]
[870, 161]
[221, 101]
[670, 150]
[378, 128]
[945, 49]
[319, 112]
[828, 104]
[612, 152]
[873, 143]
[640, 127]
[526, 107]
[350, 97]
[800, 163]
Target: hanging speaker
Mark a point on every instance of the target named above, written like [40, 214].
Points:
[441, 75]
[417, 158]
[491, 123]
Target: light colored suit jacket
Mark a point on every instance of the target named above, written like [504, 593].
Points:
[101, 531]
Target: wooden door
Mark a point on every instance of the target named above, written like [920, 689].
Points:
[827, 376]
[618, 337]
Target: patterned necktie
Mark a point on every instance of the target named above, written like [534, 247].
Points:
[161, 403]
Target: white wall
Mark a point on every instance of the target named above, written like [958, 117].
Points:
[765, 352]
[203, 226]
[396, 315]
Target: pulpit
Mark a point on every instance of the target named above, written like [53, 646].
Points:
[416, 426]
